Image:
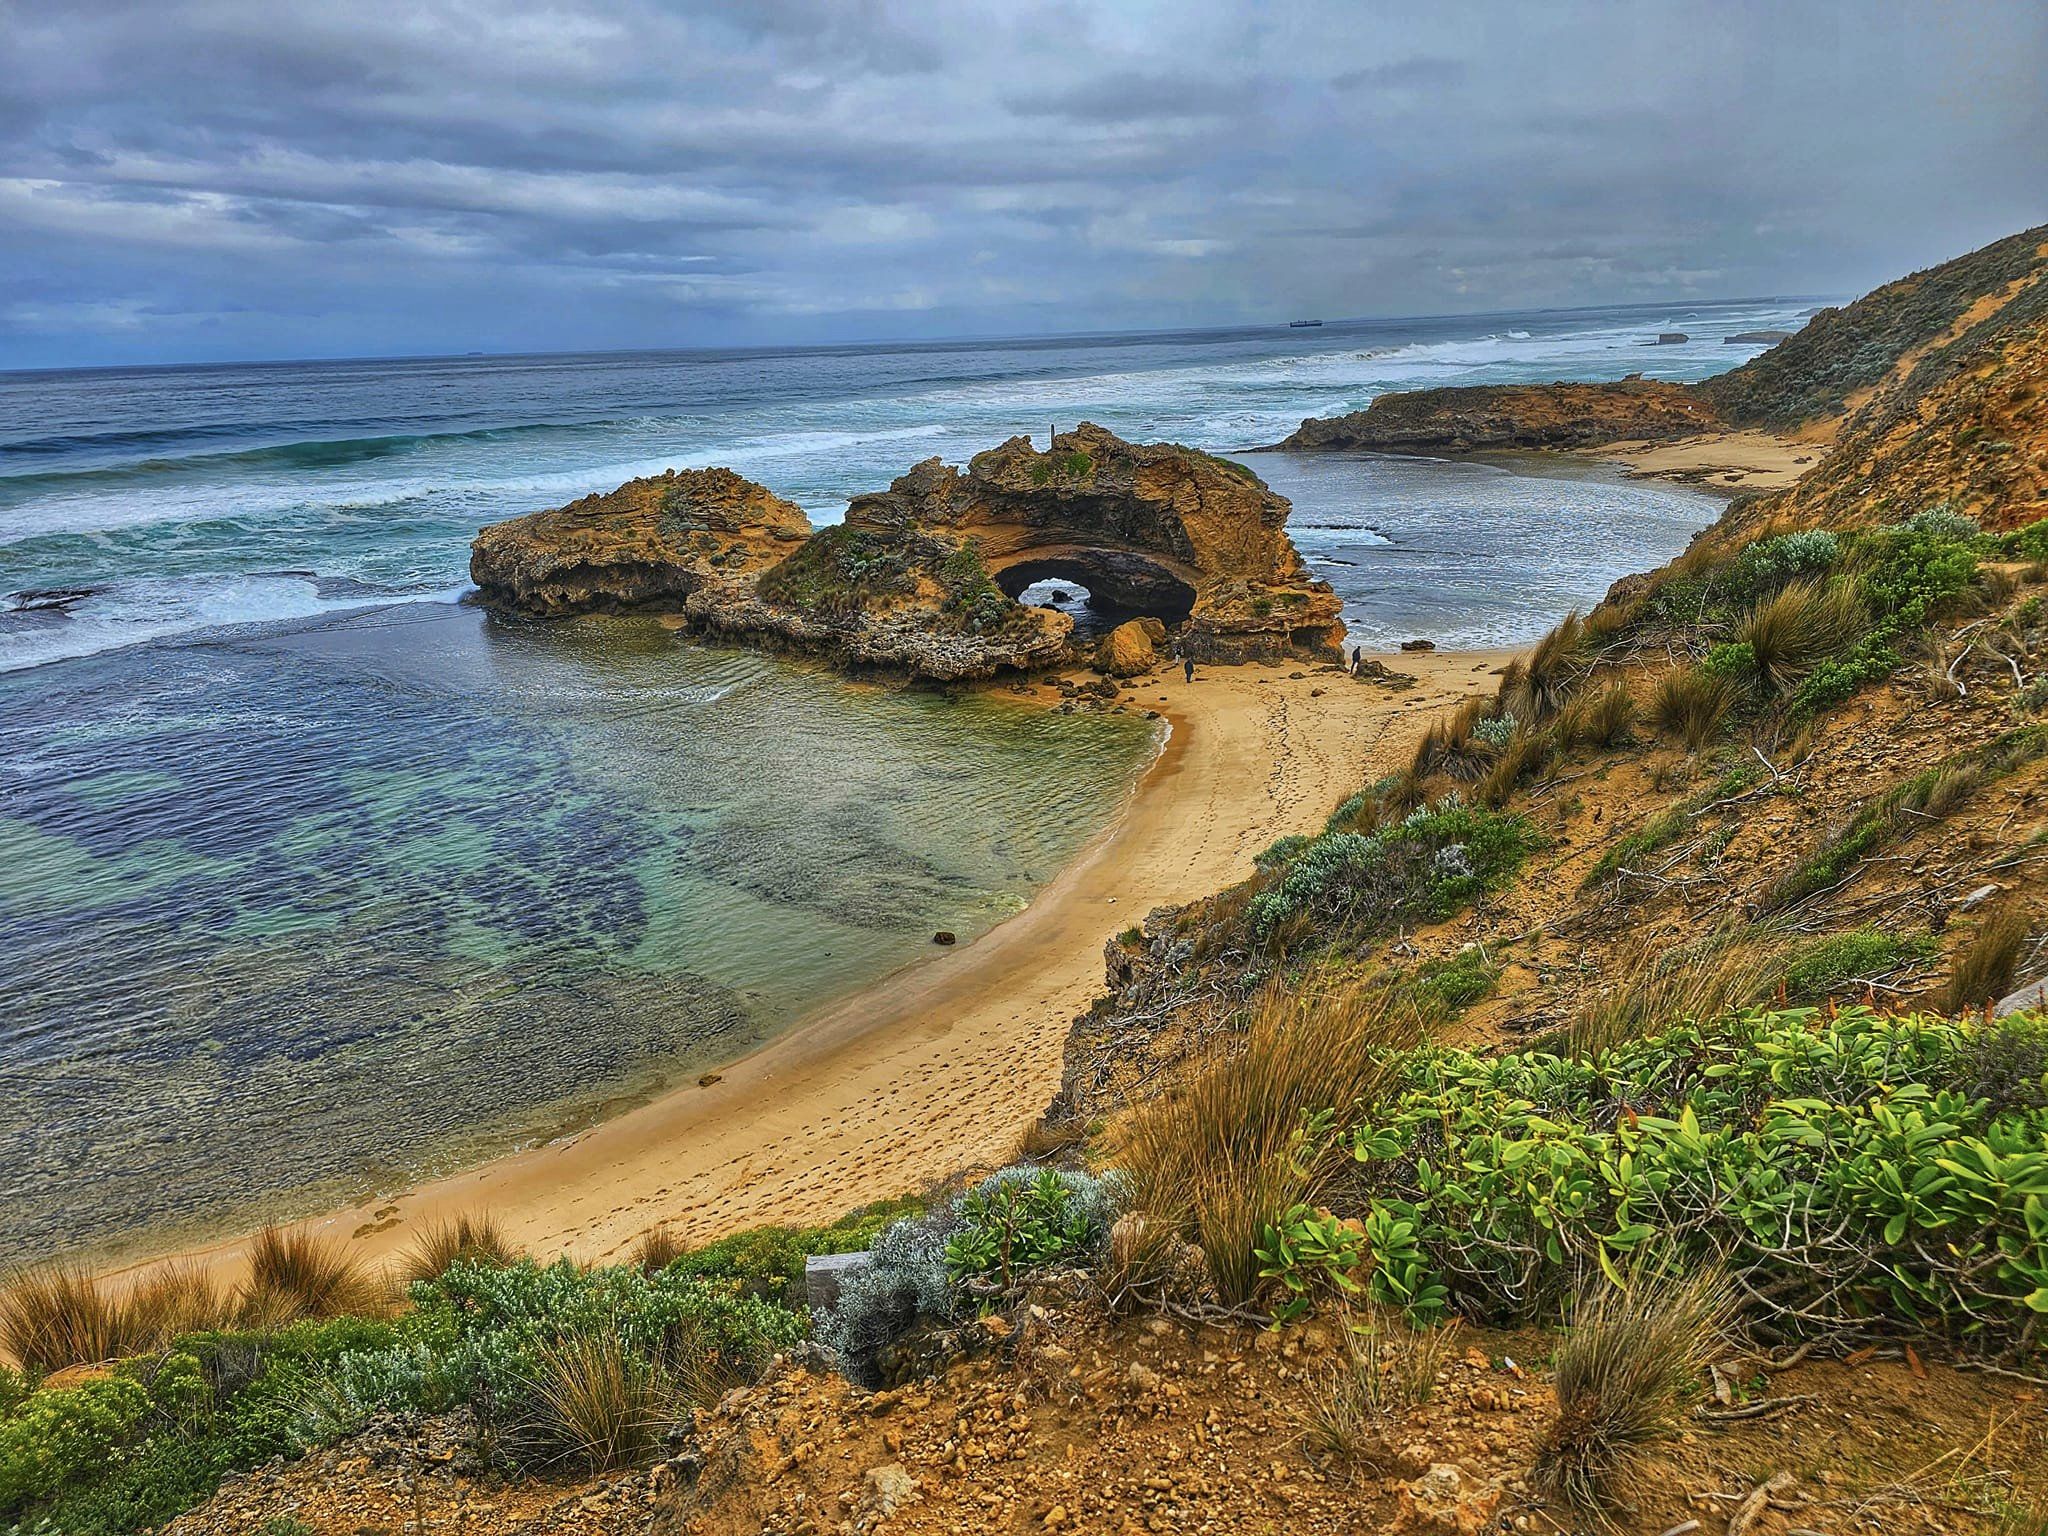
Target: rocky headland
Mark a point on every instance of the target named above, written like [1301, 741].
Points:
[1924, 384]
[923, 578]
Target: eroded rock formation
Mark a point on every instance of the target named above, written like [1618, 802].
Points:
[648, 543]
[1473, 418]
[923, 577]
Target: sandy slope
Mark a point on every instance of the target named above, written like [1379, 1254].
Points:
[939, 1067]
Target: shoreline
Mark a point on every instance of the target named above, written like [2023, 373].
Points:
[938, 1067]
[1729, 462]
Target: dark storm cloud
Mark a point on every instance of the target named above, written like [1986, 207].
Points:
[277, 177]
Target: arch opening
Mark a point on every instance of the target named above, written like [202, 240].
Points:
[1100, 588]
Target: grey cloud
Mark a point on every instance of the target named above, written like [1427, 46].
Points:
[292, 175]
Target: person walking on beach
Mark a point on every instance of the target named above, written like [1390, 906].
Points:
[1354, 661]
[1187, 666]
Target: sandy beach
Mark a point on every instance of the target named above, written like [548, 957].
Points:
[1723, 461]
[938, 1068]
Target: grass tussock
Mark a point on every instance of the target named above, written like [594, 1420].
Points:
[475, 1238]
[657, 1249]
[1221, 1158]
[1658, 984]
[1538, 685]
[604, 1403]
[1984, 970]
[1693, 705]
[1042, 1140]
[1524, 754]
[1624, 1372]
[1388, 1369]
[62, 1316]
[1449, 746]
[1797, 628]
[1601, 718]
[295, 1272]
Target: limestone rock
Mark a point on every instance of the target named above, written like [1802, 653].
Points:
[1445, 1502]
[651, 542]
[923, 577]
[1128, 649]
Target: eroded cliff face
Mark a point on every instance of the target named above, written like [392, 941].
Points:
[923, 577]
[650, 543]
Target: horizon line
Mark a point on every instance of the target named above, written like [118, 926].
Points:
[965, 338]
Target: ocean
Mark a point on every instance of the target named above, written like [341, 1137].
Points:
[314, 880]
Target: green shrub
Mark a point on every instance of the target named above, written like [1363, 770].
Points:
[1840, 1167]
[768, 1262]
[59, 1437]
[1445, 988]
[1832, 962]
[1423, 868]
[1015, 1222]
[1908, 574]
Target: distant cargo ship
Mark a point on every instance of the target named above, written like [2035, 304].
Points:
[1301, 325]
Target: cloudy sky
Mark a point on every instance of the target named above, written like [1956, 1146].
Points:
[206, 179]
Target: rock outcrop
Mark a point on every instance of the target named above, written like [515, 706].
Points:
[923, 577]
[650, 543]
[1476, 418]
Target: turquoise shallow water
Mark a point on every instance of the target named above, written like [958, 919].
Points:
[290, 912]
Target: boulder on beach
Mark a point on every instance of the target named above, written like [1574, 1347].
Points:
[1128, 649]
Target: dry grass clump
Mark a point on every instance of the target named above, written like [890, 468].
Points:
[295, 1272]
[1597, 719]
[1524, 753]
[1042, 1140]
[63, 1316]
[1657, 984]
[1536, 686]
[475, 1238]
[603, 1402]
[1449, 747]
[1692, 705]
[658, 1248]
[1797, 628]
[1624, 1372]
[59, 1316]
[1146, 1262]
[1387, 1369]
[176, 1299]
[1984, 970]
[1221, 1158]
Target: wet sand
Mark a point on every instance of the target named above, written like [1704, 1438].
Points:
[937, 1069]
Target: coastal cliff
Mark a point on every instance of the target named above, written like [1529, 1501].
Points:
[923, 577]
[1869, 375]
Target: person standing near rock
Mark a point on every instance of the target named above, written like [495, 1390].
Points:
[1187, 667]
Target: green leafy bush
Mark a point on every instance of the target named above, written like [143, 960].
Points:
[1842, 1168]
[1423, 868]
[926, 1266]
[1011, 1224]
[769, 1261]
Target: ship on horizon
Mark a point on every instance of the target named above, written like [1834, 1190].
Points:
[1302, 325]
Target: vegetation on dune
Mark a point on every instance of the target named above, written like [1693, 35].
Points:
[559, 1366]
[840, 570]
[1848, 1171]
